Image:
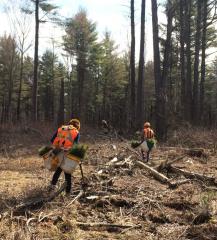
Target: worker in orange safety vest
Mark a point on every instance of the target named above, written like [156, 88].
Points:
[148, 134]
[63, 139]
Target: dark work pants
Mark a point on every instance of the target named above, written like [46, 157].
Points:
[147, 155]
[67, 179]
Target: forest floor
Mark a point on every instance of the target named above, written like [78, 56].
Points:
[122, 200]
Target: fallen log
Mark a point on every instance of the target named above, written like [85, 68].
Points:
[192, 175]
[101, 224]
[179, 183]
[172, 148]
[159, 176]
[210, 188]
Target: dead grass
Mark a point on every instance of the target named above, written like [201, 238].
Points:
[134, 196]
[194, 137]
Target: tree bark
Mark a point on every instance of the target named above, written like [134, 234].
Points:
[35, 76]
[10, 82]
[60, 117]
[21, 81]
[182, 55]
[188, 85]
[159, 176]
[192, 175]
[140, 86]
[203, 58]
[167, 57]
[132, 66]
[159, 85]
[52, 84]
[167, 49]
[81, 78]
[196, 64]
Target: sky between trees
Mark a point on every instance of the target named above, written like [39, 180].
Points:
[112, 15]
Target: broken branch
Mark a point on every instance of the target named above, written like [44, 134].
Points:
[82, 224]
[192, 174]
[155, 173]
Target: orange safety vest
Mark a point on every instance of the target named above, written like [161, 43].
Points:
[148, 133]
[65, 137]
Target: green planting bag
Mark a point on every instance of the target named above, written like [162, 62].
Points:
[135, 144]
[151, 143]
[78, 150]
[43, 150]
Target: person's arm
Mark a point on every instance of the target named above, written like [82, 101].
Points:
[145, 137]
[77, 139]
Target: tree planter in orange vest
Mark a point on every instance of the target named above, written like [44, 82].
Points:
[65, 137]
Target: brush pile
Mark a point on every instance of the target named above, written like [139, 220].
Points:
[172, 197]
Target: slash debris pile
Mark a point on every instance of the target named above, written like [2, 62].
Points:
[172, 197]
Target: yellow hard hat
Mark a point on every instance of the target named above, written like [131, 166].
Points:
[76, 123]
[147, 124]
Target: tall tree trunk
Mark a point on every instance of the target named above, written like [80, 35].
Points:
[182, 54]
[132, 65]
[159, 86]
[140, 86]
[47, 103]
[35, 76]
[80, 78]
[104, 97]
[60, 117]
[21, 81]
[188, 85]
[10, 85]
[196, 64]
[168, 46]
[167, 58]
[3, 120]
[52, 84]
[203, 58]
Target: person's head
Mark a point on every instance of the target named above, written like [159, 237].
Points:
[147, 125]
[76, 123]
